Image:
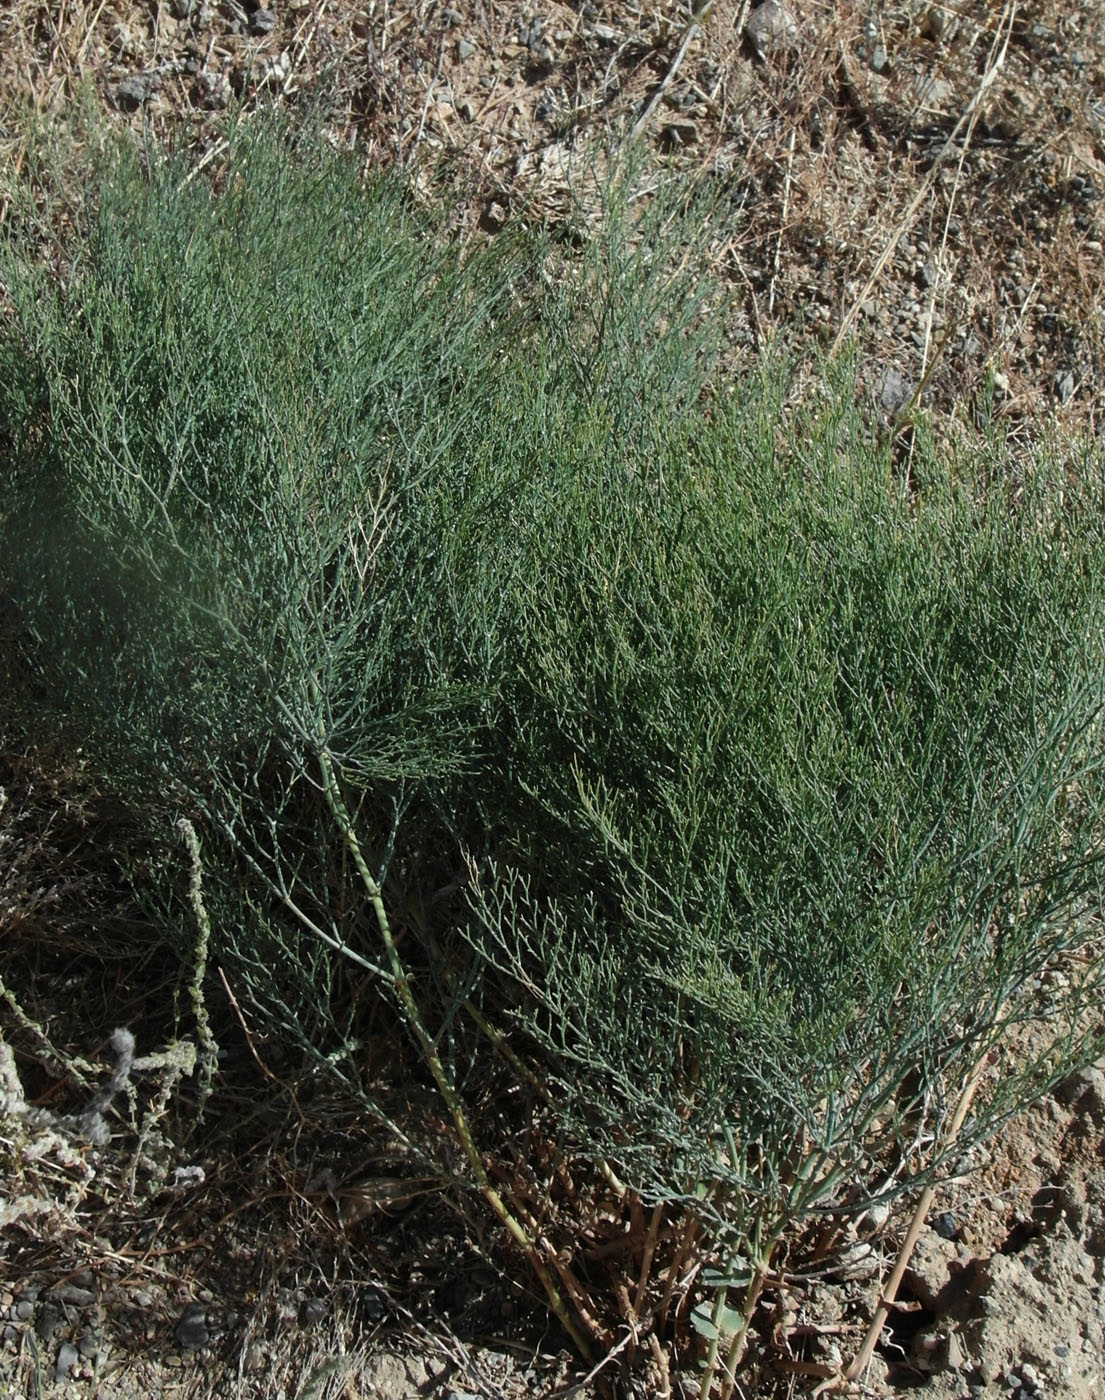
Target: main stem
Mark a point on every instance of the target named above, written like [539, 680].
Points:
[445, 1086]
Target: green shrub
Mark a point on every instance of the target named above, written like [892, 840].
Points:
[762, 788]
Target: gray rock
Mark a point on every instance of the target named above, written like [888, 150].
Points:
[932, 94]
[24, 1310]
[89, 1345]
[74, 1296]
[133, 92]
[879, 60]
[465, 49]
[1086, 1089]
[191, 1330]
[928, 1270]
[894, 390]
[313, 1311]
[771, 28]
[47, 1322]
[68, 1356]
[946, 1225]
[214, 89]
[262, 22]
[493, 216]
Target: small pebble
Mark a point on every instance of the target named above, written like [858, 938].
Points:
[465, 49]
[946, 1225]
[771, 28]
[24, 1310]
[67, 1359]
[132, 92]
[74, 1296]
[191, 1330]
[47, 1323]
[262, 22]
[313, 1312]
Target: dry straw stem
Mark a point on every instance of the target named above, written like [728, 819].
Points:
[700, 15]
[916, 1225]
[967, 122]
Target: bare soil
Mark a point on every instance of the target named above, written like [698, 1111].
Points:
[924, 181]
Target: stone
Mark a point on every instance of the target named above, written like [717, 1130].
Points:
[313, 1312]
[895, 391]
[771, 28]
[74, 1296]
[47, 1323]
[1086, 1089]
[133, 92]
[191, 1330]
[928, 1270]
[214, 90]
[493, 217]
[68, 1357]
[262, 22]
[946, 1225]
[465, 49]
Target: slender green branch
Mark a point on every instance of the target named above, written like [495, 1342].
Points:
[445, 1086]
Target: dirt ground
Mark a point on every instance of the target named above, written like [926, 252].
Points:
[922, 180]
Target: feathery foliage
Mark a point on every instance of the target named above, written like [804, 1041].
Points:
[733, 789]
